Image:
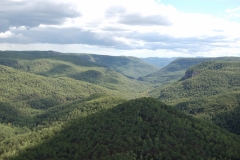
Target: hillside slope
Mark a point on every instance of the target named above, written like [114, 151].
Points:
[173, 71]
[23, 93]
[72, 106]
[29, 94]
[138, 129]
[210, 91]
[229, 120]
[27, 131]
[176, 70]
[131, 67]
[74, 66]
[19, 86]
[204, 80]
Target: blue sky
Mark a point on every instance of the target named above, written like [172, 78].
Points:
[140, 28]
[212, 7]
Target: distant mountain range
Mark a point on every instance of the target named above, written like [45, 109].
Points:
[161, 62]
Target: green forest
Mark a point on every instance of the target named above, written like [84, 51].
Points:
[84, 106]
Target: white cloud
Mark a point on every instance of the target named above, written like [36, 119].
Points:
[233, 13]
[7, 34]
[233, 10]
[119, 26]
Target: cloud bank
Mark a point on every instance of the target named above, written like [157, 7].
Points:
[33, 13]
[125, 27]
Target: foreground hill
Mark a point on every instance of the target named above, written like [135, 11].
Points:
[229, 120]
[32, 130]
[139, 129]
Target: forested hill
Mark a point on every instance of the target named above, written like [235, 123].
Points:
[138, 129]
[19, 86]
[204, 80]
[176, 70]
[10, 58]
[85, 106]
[73, 66]
[129, 66]
[210, 91]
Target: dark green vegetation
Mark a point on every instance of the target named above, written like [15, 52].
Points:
[204, 80]
[172, 72]
[57, 65]
[229, 120]
[76, 106]
[209, 90]
[139, 129]
[44, 126]
[176, 70]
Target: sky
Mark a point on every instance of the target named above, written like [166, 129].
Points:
[139, 28]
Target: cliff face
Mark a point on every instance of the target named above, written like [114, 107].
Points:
[195, 73]
[190, 73]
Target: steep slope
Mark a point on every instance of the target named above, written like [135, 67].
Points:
[139, 129]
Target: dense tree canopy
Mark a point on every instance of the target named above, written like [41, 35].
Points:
[139, 129]
[76, 106]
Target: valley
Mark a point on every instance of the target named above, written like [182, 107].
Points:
[84, 106]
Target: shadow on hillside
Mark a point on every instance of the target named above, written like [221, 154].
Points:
[10, 114]
[139, 129]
